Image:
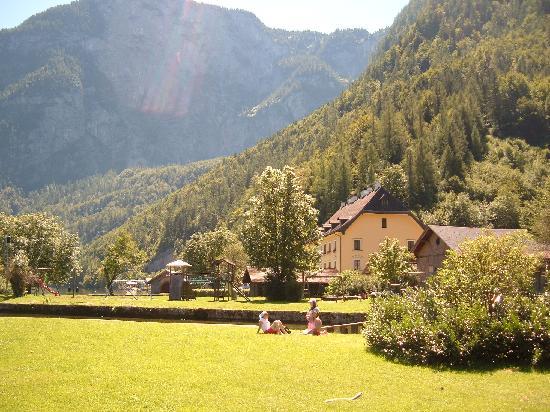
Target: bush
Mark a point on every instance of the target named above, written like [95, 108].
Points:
[283, 291]
[351, 282]
[392, 264]
[452, 321]
[19, 273]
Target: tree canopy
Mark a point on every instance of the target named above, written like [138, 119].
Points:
[45, 244]
[279, 230]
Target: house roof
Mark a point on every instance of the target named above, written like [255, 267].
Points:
[453, 236]
[163, 273]
[540, 249]
[254, 275]
[377, 201]
[324, 276]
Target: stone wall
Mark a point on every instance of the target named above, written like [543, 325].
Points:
[197, 314]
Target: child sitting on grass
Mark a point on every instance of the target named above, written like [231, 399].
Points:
[314, 324]
[275, 328]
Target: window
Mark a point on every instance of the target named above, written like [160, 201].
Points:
[384, 223]
[325, 249]
[334, 264]
[334, 246]
[356, 264]
[325, 265]
[356, 244]
[330, 247]
[410, 245]
[437, 241]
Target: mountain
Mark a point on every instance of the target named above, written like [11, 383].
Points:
[456, 99]
[98, 204]
[102, 85]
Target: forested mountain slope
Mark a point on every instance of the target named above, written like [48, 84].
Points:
[96, 205]
[458, 97]
[100, 85]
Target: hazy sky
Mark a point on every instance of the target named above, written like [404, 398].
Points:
[319, 15]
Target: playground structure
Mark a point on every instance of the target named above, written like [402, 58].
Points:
[180, 285]
[225, 281]
[38, 282]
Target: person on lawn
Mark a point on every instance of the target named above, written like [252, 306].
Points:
[316, 325]
[313, 308]
[275, 328]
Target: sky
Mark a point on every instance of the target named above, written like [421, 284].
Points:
[319, 15]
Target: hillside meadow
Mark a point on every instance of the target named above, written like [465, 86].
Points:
[174, 366]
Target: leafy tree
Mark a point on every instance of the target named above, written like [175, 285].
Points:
[458, 210]
[205, 247]
[19, 273]
[392, 263]
[394, 180]
[539, 215]
[484, 265]
[504, 211]
[351, 282]
[123, 257]
[45, 243]
[280, 229]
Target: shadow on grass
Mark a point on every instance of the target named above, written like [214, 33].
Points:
[474, 367]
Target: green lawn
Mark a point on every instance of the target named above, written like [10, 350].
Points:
[74, 364]
[257, 304]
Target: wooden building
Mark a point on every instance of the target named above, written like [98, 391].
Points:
[433, 244]
[356, 230]
[160, 283]
[255, 279]
[316, 283]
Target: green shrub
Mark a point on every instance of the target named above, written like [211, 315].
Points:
[453, 322]
[417, 329]
[351, 282]
[283, 291]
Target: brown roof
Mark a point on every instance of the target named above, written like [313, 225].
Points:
[453, 236]
[541, 249]
[323, 276]
[161, 274]
[255, 275]
[378, 201]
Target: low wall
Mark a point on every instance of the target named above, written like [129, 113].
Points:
[188, 314]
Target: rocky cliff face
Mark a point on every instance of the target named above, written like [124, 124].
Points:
[110, 84]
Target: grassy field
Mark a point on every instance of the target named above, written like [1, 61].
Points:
[69, 364]
[257, 304]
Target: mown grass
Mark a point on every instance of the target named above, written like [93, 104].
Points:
[259, 304]
[74, 364]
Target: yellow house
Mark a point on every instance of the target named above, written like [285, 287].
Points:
[355, 231]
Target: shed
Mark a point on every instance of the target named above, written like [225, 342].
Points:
[316, 283]
[256, 278]
[160, 283]
[431, 248]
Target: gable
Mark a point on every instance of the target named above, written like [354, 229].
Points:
[378, 201]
